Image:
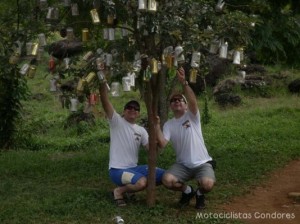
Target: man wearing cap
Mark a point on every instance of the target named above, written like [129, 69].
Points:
[126, 138]
[192, 158]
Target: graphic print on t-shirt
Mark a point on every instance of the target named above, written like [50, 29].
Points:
[186, 124]
[137, 136]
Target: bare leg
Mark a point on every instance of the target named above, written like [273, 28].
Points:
[140, 185]
[172, 183]
[205, 184]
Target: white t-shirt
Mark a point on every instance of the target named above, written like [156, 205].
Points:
[125, 142]
[185, 134]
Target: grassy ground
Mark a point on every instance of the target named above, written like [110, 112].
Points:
[63, 178]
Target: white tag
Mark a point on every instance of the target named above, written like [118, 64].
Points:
[127, 177]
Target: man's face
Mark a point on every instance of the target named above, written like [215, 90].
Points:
[178, 104]
[131, 112]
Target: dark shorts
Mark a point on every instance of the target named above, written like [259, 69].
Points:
[184, 173]
[131, 175]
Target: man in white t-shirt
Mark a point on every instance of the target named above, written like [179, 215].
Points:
[126, 139]
[192, 159]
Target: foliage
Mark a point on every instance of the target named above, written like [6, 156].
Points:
[12, 91]
[278, 33]
[277, 30]
[13, 86]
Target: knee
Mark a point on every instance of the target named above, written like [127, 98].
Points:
[207, 184]
[141, 183]
[168, 180]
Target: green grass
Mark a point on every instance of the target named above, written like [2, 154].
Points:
[60, 175]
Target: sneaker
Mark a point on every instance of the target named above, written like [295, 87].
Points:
[185, 198]
[200, 201]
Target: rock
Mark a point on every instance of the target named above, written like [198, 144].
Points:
[255, 81]
[254, 68]
[294, 86]
[38, 96]
[224, 86]
[294, 194]
[65, 48]
[217, 68]
[225, 99]
[77, 117]
[69, 86]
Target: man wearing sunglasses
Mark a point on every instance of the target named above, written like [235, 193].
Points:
[126, 138]
[192, 158]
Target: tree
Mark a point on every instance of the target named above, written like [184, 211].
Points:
[278, 31]
[13, 87]
[149, 38]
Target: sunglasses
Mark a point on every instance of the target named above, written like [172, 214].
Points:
[132, 108]
[174, 100]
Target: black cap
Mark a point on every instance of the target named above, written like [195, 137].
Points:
[132, 103]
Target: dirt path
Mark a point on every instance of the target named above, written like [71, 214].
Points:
[269, 203]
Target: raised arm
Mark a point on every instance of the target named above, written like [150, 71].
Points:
[161, 141]
[188, 92]
[106, 104]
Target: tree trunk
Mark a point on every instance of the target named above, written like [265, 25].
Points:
[151, 103]
[162, 98]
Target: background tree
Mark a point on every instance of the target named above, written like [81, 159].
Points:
[276, 34]
[13, 87]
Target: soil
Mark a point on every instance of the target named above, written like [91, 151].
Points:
[270, 202]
